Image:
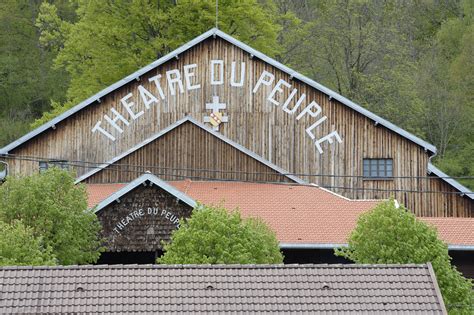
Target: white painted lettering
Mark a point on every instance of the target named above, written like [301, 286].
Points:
[97, 127]
[329, 139]
[156, 80]
[120, 226]
[308, 110]
[242, 75]
[220, 65]
[276, 89]
[117, 117]
[266, 78]
[310, 128]
[177, 80]
[288, 100]
[174, 76]
[188, 75]
[147, 97]
[128, 106]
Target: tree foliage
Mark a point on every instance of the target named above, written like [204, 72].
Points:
[28, 80]
[18, 246]
[212, 235]
[447, 85]
[55, 210]
[391, 235]
[112, 39]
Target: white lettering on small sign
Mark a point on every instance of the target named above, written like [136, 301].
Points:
[151, 211]
[116, 122]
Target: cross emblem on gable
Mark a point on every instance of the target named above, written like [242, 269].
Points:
[215, 118]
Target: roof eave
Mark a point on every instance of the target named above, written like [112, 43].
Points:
[107, 90]
[215, 32]
[466, 191]
[139, 181]
[377, 119]
[338, 245]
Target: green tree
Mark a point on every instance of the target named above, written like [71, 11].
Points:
[361, 50]
[27, 79]
[56, 210]
[391, 235]
[18, 246]
[111, 39]
[445, 83]
[212, 235]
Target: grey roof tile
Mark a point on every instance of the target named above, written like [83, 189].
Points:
[220, 289]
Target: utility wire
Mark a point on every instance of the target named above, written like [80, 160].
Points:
[142, 169]
[104, 165]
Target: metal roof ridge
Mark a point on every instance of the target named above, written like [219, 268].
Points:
[178, 123]
[467, 192]
[236, 42]
[108, 90]
[329, 92]
[140, 180]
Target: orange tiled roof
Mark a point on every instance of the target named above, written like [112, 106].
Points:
[297, 213]
[454, 231]
[98, 192]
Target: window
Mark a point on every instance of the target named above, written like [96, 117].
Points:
[44, 165]
[378, 168]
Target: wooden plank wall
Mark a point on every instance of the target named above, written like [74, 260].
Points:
[262, 128]
[149, 228]
[188, 152]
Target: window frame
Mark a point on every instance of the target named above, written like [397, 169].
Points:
[61, 164]
[382, 168]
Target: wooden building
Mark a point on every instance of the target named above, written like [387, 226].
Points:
[262, 122]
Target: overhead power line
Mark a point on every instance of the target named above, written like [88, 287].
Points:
[104, 165]
[139, 170]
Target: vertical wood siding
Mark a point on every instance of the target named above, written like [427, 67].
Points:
[259, 126]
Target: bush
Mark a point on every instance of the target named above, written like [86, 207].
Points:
[391, 235]
[212, 235]
[18, 246]
[55, 209]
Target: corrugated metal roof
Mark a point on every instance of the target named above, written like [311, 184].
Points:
[221, 289]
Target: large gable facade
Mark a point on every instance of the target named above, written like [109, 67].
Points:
[279, 115]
